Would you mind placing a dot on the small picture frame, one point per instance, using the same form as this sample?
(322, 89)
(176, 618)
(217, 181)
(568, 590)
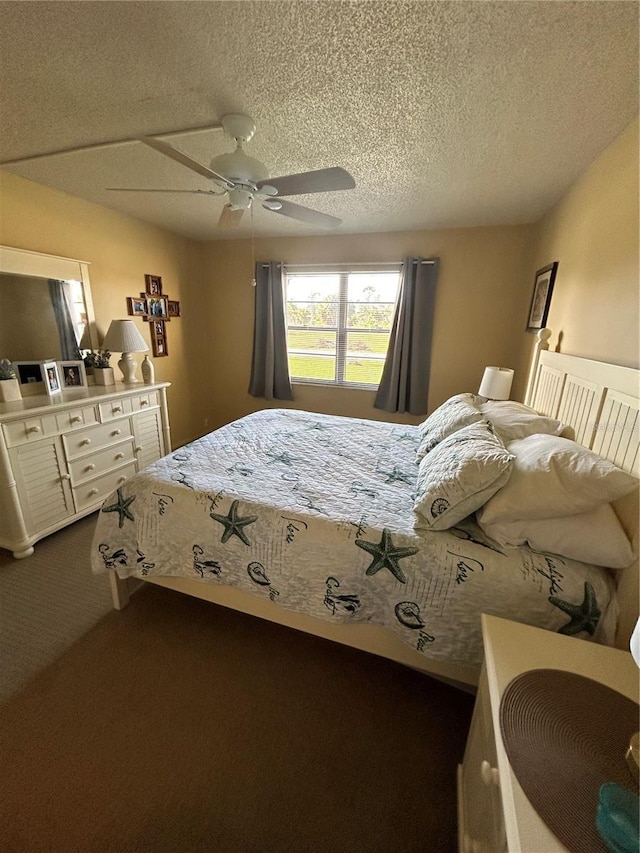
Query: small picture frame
(158, 339)
(541, 297)
(28, 373)
(51, 377)
(157, 308)
(72, 374)
(153, 285)
(137, 307)
(173, 308)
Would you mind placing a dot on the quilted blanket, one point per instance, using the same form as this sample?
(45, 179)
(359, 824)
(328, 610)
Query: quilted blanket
(315, 512)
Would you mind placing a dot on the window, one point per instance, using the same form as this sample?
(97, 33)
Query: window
(339, 323)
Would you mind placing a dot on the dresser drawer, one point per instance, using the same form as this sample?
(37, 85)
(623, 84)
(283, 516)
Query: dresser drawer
(94, 464)
(77, 417)
(93, 491)
(110, 409)
(29, 429)
(83, 441)
(145, 401)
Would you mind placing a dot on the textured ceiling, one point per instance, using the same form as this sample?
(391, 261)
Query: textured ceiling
(446, 113)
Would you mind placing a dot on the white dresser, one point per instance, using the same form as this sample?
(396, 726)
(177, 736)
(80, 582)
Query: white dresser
(494, 814)
(60, 457)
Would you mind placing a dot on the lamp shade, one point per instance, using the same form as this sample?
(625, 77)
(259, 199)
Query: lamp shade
(496, 383)
(634, 645)
(123, 336)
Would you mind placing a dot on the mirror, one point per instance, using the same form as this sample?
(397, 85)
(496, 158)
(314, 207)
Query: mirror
(46, 307)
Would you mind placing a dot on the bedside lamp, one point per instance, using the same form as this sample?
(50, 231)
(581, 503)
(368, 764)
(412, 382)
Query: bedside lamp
(124, 337)
(496, 383)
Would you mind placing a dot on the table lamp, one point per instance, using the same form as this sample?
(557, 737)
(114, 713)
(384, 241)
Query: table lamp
(496, 383)
(124, 337)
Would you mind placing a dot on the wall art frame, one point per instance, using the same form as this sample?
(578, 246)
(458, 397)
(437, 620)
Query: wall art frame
(541, 297)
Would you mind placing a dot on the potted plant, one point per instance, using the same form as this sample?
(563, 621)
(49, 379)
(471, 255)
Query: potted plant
(9, 387)
(102, 371)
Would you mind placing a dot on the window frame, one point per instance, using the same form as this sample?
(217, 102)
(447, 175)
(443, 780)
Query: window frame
(341, 330)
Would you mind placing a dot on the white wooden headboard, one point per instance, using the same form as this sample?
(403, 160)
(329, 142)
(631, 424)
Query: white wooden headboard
(601, 402)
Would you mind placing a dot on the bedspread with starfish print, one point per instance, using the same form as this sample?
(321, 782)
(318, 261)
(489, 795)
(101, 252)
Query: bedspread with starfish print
(315, 512)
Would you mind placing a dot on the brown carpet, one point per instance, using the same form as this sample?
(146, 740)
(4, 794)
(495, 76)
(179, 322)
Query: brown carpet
(178, 725)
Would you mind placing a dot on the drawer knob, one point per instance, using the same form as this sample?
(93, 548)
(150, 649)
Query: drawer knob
(34, 429)
(117, 408)
(138, 449)
(86, 441)
(65, 476)
(76, 419)
(116, 432)
(144, 402)
(121, 479)
(93, 492)
(119, 456)
(91, 467)
(490, 775)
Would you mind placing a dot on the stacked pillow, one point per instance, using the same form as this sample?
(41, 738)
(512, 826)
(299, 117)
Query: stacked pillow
(557, 499)
(459, 475)
(529, 482)
(514, 420)
(457, 412)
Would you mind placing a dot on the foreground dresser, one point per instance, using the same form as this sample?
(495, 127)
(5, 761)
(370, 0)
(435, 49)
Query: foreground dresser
(494, 814)
(61, 456)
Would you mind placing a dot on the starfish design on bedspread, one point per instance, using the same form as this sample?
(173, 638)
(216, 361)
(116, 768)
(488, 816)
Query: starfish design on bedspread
(584, 617)
(233, 524)
(385, 555)
(121, 507)
(396, 476)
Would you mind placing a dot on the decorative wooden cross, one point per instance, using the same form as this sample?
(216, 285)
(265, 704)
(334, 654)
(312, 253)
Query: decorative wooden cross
(156, 309)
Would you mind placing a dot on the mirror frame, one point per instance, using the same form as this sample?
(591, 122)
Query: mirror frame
(38, 265)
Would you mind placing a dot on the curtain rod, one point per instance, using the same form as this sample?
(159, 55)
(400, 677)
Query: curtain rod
(353, 264)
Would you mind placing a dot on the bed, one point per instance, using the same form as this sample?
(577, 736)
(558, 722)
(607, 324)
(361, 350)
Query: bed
(309, 520)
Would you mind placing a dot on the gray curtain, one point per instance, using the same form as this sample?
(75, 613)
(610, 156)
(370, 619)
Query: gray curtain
(64, 322)
(270, 367)
(404, 386)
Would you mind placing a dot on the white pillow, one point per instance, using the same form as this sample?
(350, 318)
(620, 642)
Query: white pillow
(513, 420)
(592, 537)
(554, 476)
(459, 475)
(454, 414)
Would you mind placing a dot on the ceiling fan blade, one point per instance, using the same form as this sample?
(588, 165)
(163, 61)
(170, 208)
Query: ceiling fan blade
(179, 157)
(229, 218)
(149, 190)
(305, 214)
(320, 181)
(96, 146)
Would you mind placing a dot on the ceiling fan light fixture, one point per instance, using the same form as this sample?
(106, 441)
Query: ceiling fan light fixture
(240, 199)
(272, 204)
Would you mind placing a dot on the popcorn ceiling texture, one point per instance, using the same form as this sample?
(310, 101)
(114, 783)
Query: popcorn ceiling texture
(446, 113)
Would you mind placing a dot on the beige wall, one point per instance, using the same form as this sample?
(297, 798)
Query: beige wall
(121, 250)
(593, 233)
(480, 311)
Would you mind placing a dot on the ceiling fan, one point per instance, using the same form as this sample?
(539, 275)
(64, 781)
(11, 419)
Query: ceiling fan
(246, 180)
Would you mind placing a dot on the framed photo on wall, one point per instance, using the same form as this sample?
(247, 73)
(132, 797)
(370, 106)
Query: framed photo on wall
(153, 284)
(51, 377)
(137, 307)
(72, 374)
(541, 297)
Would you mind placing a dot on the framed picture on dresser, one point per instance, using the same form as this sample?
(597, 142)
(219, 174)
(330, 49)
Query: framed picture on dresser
(72, 374)
(51, 377)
